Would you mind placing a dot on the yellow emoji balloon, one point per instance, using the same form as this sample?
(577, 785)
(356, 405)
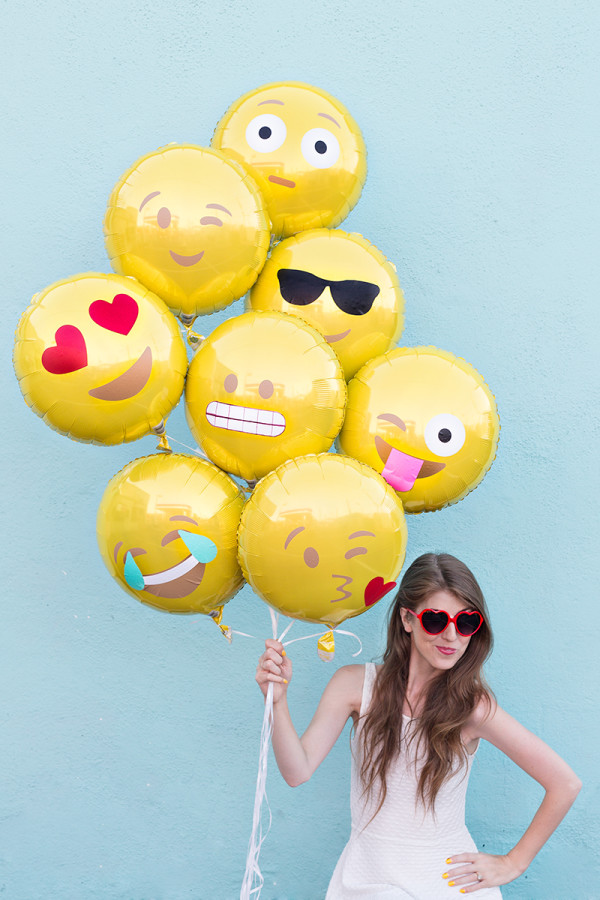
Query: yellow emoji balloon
(340, 284)
(322, 538)
(191, 225)
(100, 359)
(167, 532)
(262, 388)
(426, 420)
(303, 147)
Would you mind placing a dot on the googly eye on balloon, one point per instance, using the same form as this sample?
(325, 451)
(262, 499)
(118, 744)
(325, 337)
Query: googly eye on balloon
(100, 358)
(190, 224)
(304, 149)
(167, 532)
(264, 387)
(339, 283)
(322, 538)
(425, 420)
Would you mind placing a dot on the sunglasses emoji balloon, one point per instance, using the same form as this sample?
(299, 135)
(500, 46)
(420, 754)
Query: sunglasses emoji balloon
(304, 149)
(340, 284)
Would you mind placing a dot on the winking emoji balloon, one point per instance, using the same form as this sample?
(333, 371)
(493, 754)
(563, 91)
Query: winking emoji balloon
(167, 532)
(340, 284)
(426, 420)
(304, 149)
(322, 538)
(191, 225)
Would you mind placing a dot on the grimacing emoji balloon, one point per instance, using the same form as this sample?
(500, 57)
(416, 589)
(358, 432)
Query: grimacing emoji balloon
(426, 420)
(190, 224)
(340, 284)
(167, 532)
(322, 538)
(100, 358)
(304, 149)
(262, 388)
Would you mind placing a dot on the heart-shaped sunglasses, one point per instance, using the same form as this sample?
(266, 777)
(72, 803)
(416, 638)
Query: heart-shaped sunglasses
(434, 621)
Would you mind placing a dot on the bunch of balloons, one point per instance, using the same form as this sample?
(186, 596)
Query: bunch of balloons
(101, 358)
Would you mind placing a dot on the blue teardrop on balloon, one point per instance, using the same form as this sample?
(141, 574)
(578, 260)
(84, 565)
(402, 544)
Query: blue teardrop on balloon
(201, 548)
(132, 574)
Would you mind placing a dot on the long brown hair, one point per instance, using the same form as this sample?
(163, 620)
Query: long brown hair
(450, 698)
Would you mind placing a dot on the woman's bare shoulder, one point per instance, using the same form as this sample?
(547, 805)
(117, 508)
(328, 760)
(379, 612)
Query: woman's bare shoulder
(348, 682)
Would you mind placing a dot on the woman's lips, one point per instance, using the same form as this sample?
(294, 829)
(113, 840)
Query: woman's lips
(447, 651)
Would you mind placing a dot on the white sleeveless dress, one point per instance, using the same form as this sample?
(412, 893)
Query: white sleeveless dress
(402, 852)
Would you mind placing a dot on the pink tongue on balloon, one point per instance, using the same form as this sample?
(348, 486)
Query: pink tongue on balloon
(401, 470)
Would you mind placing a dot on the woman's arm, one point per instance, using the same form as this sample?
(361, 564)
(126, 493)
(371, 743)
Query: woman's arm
(536, 758)
(297, 757)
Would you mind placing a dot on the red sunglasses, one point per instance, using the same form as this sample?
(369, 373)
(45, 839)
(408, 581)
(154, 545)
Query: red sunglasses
(434, 621)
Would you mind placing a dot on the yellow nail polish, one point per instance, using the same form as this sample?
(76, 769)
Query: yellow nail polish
(448, 861)
(445, 875)
(450, 884)
(285, 681)
(283, 653)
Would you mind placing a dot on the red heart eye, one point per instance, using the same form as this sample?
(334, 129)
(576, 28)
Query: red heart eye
(118, 316)
(68, 355)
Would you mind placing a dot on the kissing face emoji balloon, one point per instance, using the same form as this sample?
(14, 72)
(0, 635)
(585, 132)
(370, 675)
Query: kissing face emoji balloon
(322, 538)
(262, 388)
(426, 420)
(304, 149)
(100, 359)
(167, 532)
(341, 285)
(190, 224)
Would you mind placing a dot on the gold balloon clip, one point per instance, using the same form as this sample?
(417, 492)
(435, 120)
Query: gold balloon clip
(326, 646)
(160, 431)
(217, 615)
(193, 338)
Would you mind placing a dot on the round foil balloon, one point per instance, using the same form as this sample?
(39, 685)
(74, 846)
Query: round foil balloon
(342, 285)
(426, 420)
(191, 225)
(322, 538)
(264, 387)
(167, 532)
(99, 358)
(304, 149)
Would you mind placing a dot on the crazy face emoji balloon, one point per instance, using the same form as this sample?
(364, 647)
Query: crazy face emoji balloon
(190, 224)
(100, 358)
(167, 532)
(262, 388)
(322, 538)
(342, 285)
(304, 149)
(426, 420)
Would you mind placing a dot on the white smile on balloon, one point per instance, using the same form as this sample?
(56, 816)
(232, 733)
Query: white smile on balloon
(246, 419)
(171, 574)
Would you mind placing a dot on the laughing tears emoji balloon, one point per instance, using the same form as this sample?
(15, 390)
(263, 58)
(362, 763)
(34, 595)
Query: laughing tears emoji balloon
(340, 284)
(304, 149)
(100, 359)
(264, 387)
(191, 225)
(167, 532)
(426, 420)
(322, 538)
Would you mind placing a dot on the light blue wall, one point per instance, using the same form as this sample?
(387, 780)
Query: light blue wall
(129, 738)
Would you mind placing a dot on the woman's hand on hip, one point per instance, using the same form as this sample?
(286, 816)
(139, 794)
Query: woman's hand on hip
(275, 667)
(474, 871)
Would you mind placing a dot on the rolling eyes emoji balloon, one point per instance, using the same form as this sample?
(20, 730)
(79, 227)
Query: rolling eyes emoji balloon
(426, 420)
(167, 532)
(304, 149)
(100, 359)
(262, 388)
(190, 224)
(322, 538)
(340, 284)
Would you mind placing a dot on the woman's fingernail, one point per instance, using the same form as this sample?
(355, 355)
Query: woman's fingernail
(285, 681)
(445, 875)
(450, 884)
(448, 861)
(283, 653)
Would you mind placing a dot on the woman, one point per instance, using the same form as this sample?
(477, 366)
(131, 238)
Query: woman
(418, 721)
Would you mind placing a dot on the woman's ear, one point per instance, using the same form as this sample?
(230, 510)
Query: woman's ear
(406, 617)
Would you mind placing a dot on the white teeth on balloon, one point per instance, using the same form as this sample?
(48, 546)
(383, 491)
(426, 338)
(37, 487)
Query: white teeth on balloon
(246, 419)
(174, 572)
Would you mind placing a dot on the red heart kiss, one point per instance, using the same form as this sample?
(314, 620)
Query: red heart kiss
(376, 589)
(119, 316)
(68, 355)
